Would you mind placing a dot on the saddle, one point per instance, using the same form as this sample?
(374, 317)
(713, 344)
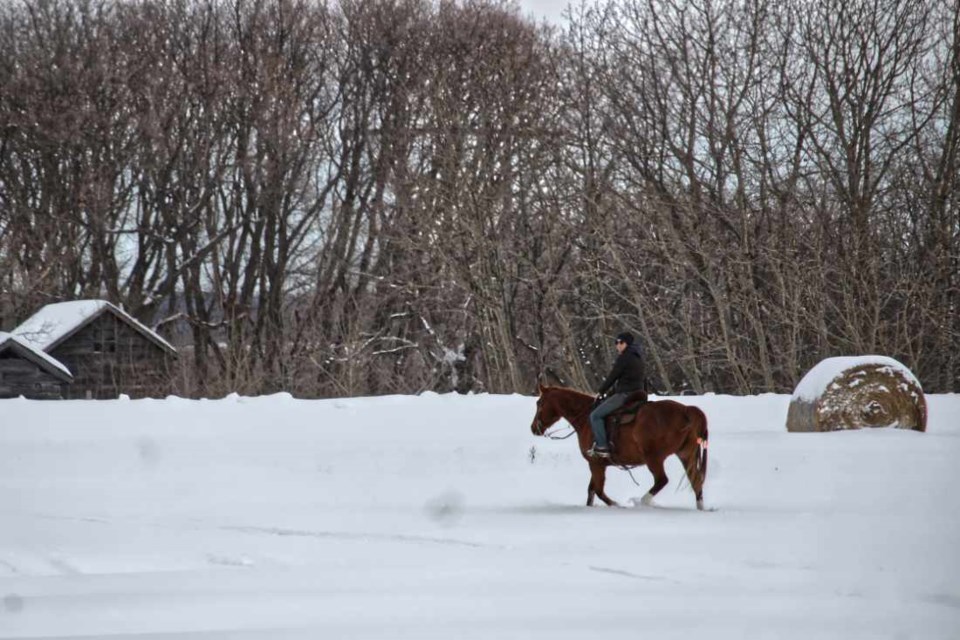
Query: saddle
(625, 414)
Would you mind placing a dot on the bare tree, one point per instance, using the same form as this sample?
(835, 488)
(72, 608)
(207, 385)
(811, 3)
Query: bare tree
(385, 197)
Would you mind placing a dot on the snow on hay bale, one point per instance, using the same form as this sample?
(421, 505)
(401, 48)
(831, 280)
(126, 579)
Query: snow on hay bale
(856, 392)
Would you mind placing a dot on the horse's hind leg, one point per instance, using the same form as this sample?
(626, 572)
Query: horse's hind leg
(660, 480)
(598, 476)
(690, 460)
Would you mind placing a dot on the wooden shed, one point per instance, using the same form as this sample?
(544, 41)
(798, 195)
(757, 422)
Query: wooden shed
(108, 351)
(29, 372)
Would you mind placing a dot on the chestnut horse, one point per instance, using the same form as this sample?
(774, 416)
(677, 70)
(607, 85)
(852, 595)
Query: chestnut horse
(659, 430)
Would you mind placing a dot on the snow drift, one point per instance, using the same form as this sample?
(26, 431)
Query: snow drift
(443, 517)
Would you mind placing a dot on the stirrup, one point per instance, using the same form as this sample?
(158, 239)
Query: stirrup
(598, 452)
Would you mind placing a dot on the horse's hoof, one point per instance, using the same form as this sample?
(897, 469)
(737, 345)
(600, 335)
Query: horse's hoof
(700, 505)
(645, 501)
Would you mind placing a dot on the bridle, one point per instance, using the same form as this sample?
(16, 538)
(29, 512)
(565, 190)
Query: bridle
(538, 423)
(541, 430)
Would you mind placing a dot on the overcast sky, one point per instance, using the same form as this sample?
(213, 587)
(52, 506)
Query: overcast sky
(551, 10)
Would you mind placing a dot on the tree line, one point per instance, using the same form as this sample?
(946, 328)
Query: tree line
(391, 196)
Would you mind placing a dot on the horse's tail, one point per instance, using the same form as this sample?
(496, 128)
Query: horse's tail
(697, 420)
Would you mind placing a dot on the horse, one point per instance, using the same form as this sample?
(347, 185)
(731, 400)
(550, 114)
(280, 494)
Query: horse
(660, 429)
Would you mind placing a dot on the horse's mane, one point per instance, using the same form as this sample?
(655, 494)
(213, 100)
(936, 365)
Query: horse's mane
(570, 390)
(572, 394)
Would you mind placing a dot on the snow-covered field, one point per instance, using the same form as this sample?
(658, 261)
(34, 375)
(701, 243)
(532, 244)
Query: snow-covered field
(444, 517)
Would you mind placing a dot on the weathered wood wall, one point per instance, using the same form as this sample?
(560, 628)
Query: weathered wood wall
(108, 357)
(20, 377)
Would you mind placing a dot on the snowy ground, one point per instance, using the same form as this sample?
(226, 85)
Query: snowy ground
(443, 517)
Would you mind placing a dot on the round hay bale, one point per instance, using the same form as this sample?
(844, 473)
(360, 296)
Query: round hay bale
(857, 392)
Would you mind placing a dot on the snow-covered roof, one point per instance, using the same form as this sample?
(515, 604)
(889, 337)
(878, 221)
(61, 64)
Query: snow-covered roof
(52, 324)
(826, 371)
(31, 352)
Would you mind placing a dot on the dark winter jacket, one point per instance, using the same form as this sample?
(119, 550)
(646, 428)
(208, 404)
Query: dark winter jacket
(628, 373)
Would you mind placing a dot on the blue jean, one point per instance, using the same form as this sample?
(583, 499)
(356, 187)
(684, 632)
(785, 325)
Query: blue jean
(598, 415)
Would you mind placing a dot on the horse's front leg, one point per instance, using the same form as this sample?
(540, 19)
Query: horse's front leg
(598, 476)
(660, 480)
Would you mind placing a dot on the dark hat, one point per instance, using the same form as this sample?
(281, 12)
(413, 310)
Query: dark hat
(626, 336)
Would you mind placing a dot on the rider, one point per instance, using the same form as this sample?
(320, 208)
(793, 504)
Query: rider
(626, 377)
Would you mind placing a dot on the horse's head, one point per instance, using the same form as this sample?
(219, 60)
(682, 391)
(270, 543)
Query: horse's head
(547, 410)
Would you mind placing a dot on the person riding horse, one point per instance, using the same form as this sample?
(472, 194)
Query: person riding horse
(626, 377)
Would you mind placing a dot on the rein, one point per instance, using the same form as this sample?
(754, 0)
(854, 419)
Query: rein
(580, 416)
(570, 421)
(629, 470)
(573, 429)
